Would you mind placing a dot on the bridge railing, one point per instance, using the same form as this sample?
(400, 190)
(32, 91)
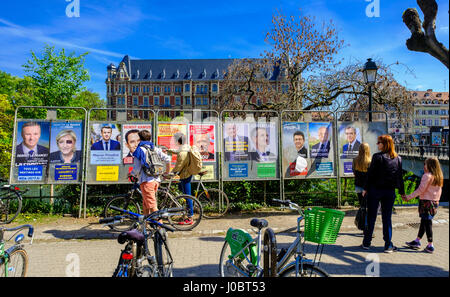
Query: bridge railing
(423, 151)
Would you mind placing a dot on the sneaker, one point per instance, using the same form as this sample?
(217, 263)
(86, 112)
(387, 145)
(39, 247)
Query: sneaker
(413, 244)
(429, 249)
(186, 222)
(390, 249)
(364, 247)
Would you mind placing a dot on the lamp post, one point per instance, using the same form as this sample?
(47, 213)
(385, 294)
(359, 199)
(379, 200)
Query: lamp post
(370, 76)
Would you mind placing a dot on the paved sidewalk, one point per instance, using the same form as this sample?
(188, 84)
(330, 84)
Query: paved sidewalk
(70, 245)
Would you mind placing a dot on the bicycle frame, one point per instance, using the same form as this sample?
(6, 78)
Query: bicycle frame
(4, 255)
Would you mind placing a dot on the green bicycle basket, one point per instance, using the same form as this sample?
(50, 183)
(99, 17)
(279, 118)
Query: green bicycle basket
(322, 225)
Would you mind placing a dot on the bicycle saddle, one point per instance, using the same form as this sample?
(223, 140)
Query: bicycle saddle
(133, 235)
(259, 223)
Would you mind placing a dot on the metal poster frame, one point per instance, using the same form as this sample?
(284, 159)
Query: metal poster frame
(52, 117)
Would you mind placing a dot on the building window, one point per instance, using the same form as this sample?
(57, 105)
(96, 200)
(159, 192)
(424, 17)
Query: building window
(156, 99)
(177, 101)
(146, 101)
(156, 89)
(198, 101)
(135, 101)
(205, 100)
(187, 87)
(214, 87)
(187, 100)
(167, 101)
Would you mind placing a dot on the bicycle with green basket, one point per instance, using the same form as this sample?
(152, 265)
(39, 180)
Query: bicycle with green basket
(241, 254)
(14, 260)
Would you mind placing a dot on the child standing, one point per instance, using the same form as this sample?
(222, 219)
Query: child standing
(429, 190)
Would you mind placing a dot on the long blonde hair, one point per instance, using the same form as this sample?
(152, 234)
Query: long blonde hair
(362, 161)
(434, 168)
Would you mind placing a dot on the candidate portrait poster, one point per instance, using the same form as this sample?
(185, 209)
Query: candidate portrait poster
(236, 141)
(202, 136)
(130, 140)
(166, 133)
(105, 143)
(349, 139)
(32, 143)
(295, 149)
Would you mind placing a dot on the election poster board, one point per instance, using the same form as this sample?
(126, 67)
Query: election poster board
(203, 137)
(295, 161)
(31, 151)
(321, 149)
(349, 141)
(250, 150)
(166, 134)
(66, 151)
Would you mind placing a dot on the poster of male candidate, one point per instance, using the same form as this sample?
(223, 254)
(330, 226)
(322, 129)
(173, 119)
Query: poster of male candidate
(263, 150)
(130, 140)
(105, 143)
(321, 149)
(236, 141)
(202, 136)
(32, 145)
(349, 139)
(295, 149)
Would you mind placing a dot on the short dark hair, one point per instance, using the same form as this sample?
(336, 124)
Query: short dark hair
(130, 132)
(145, 135)
(299, 133)
(180, 137)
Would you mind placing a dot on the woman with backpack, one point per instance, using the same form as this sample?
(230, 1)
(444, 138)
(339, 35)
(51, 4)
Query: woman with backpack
(183, 168)
(383, 177)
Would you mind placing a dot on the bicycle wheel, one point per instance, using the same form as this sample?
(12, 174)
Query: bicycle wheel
(10, 207)
(124, 202)
(162, 254)
(309, 270)
(17, 264)
(237, 266)
(214, 202)
(180, 220)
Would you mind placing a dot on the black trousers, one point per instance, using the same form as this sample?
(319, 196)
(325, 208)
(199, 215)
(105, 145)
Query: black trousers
(426, 227)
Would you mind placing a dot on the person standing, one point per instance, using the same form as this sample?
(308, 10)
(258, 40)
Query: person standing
(360, 167)
(430, 190)
(148, 184)
(182, 170)
(383, 177)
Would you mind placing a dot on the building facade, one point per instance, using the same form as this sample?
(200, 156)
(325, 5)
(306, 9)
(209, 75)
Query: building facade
(430, 110)
(138, 86)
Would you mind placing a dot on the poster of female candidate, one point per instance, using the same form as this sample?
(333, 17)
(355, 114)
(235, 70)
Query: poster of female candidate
(105, 143)
(295, 149)
(202, 136)
(66, 142)
(32, 143)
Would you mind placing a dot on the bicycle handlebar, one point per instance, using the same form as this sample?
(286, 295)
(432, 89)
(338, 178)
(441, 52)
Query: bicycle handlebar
(30, 229)
(291, 205)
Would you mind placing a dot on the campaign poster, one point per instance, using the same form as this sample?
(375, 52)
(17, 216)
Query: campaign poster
(32, 143)
(105, 144)
(295, 149)
(349, 140)
(66, 143)
(436, 138)
(130, 140)
(236, 141)
(320, 140)
(30, 173)
(263, 145)
(166, 137)
(202, 136)
(415, 139)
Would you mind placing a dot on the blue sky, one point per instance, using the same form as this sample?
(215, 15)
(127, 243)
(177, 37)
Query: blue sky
(149, 29)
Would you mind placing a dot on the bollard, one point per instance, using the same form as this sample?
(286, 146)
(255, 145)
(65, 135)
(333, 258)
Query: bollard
(270, 251)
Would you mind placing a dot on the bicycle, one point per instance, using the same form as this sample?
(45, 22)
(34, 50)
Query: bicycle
(215, 202)
(10, 203)
(14, 261)
(241, 254)
(135, 259)
(165, 200)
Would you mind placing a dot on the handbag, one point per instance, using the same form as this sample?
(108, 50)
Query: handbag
(361, 218)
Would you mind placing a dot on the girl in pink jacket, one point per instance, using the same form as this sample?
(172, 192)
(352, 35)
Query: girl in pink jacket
(429, 190)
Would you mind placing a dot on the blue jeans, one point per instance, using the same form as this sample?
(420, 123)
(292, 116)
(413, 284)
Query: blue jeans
(185, 187)
(385, 197)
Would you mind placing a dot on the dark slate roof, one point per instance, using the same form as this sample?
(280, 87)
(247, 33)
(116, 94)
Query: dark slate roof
(178, 69)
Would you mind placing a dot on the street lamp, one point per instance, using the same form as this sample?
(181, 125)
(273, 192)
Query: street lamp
(370, 76)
